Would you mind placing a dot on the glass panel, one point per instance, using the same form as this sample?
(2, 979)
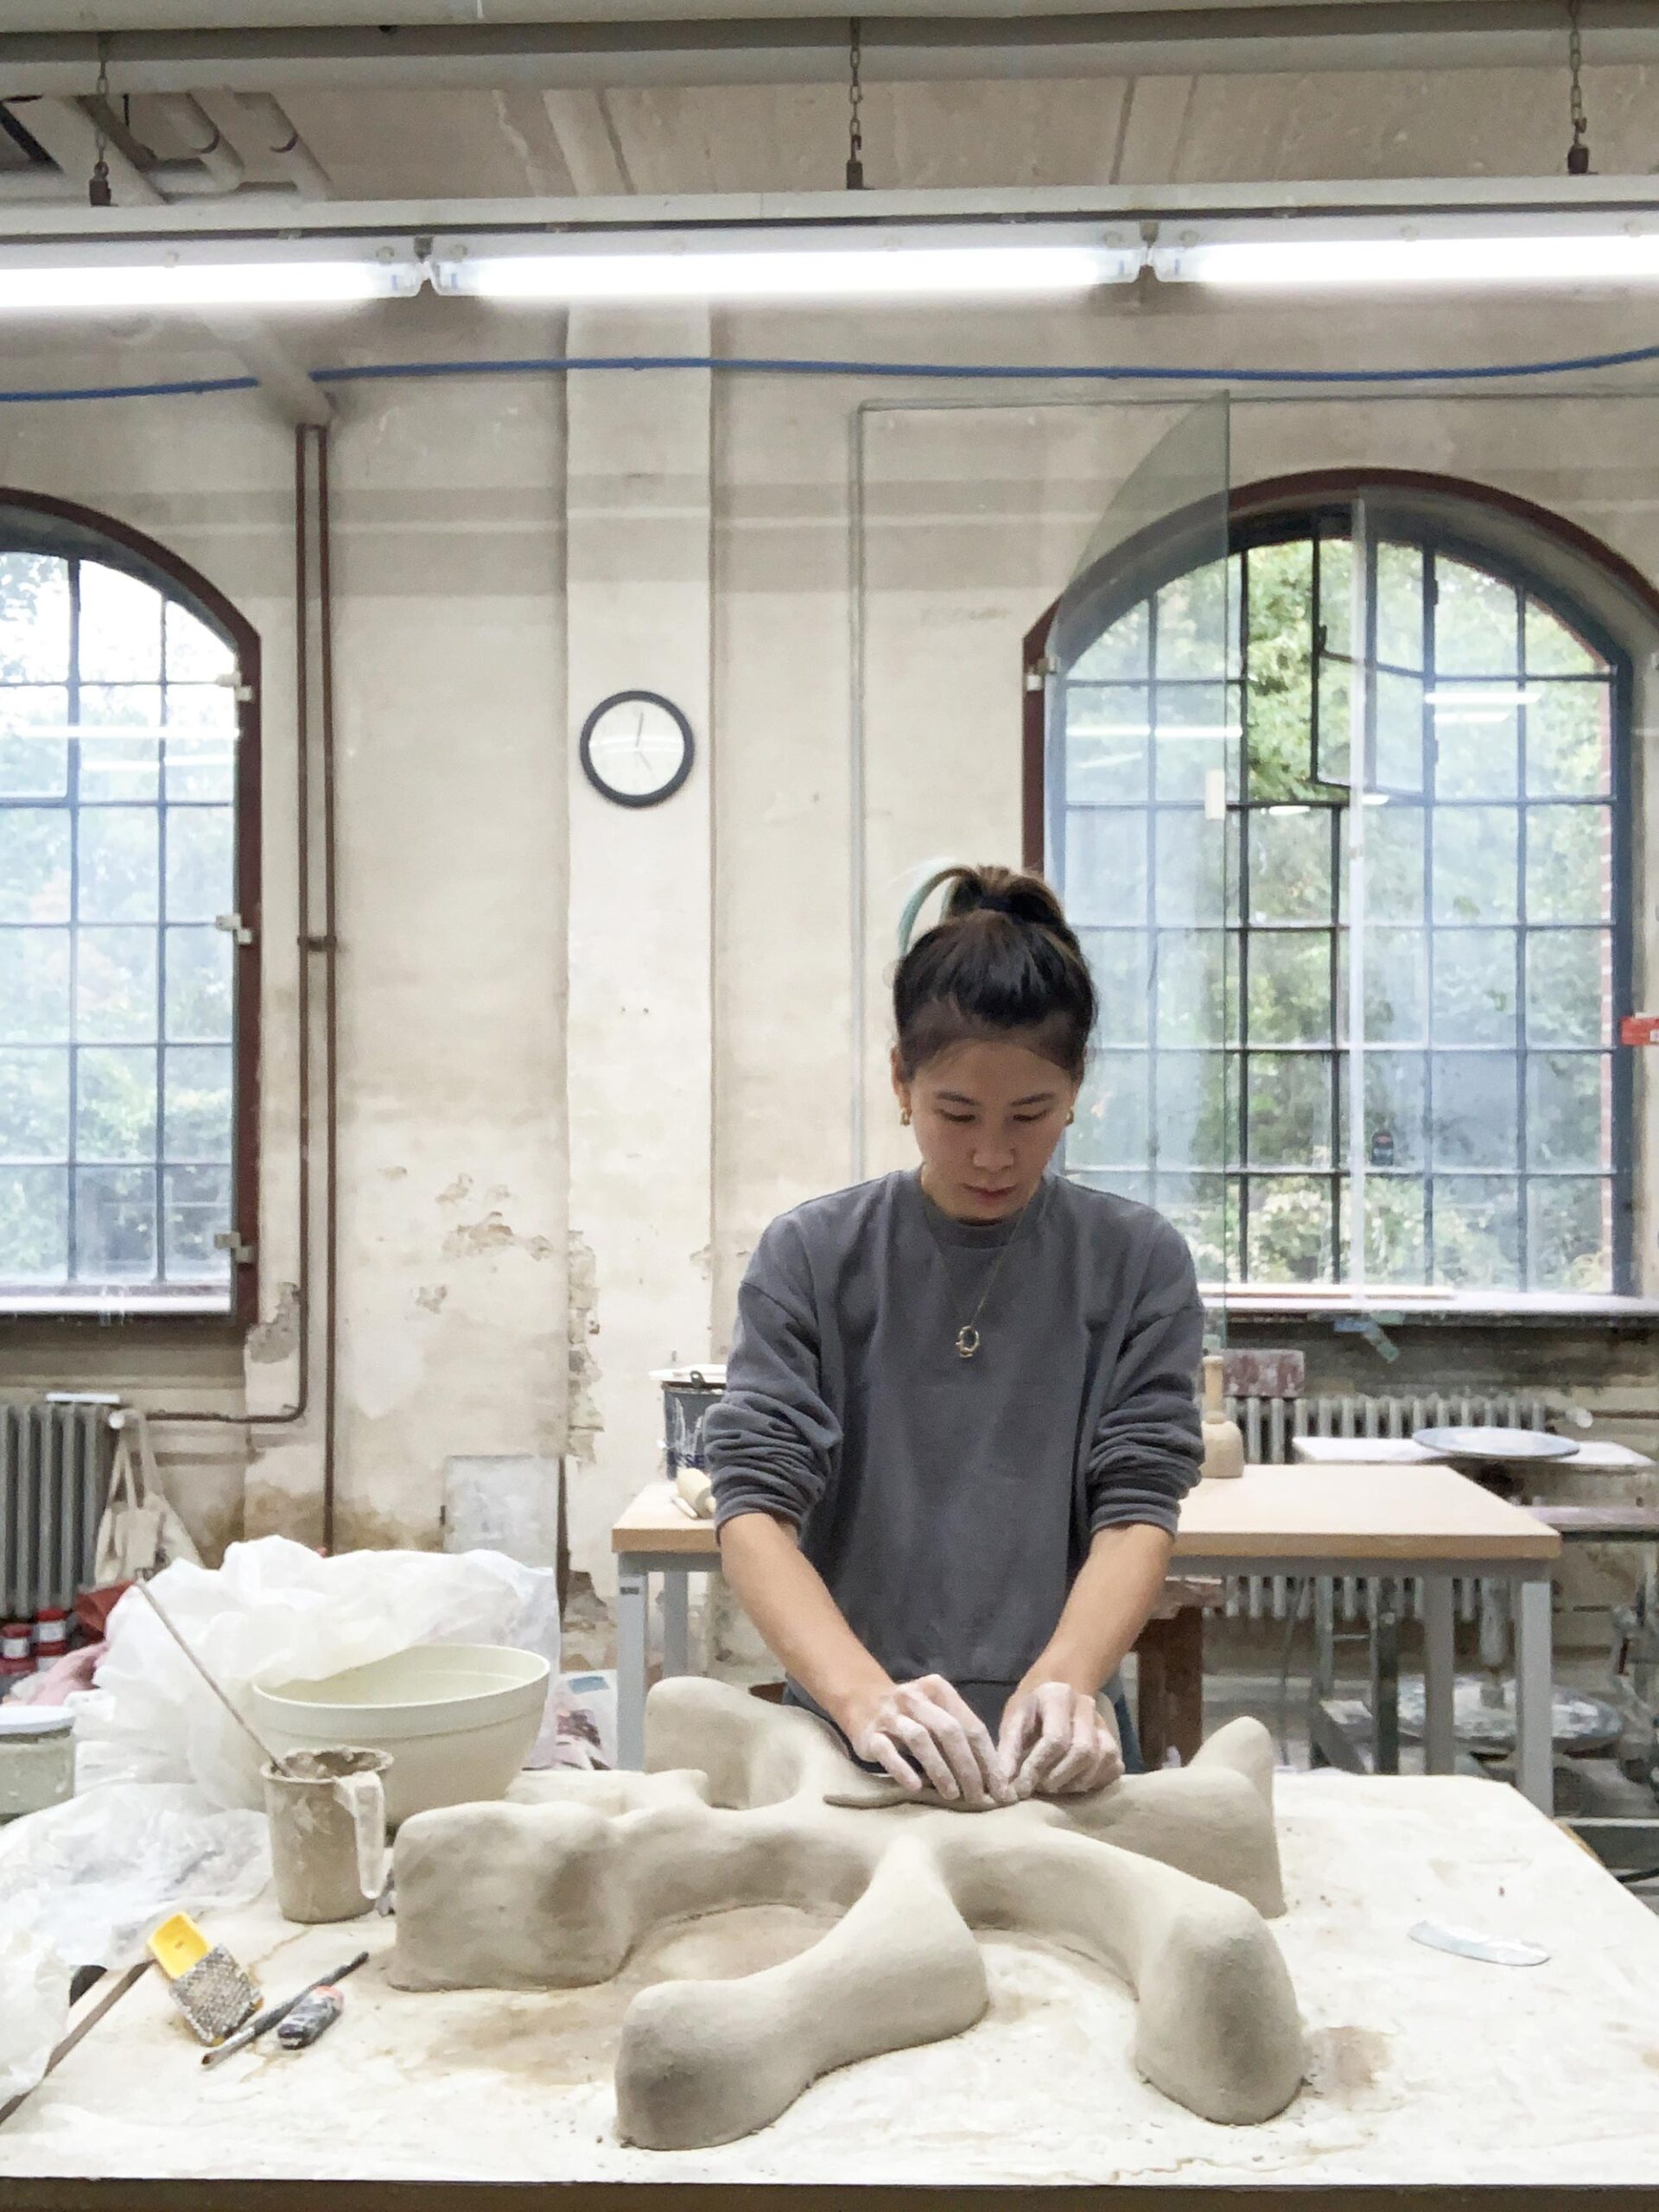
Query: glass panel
(1197, 1110)
(1475, 1110)
(198, 987)
(1335, 614)
(115, 1103)
(1106, 734)
(1121, 1182)
(1394, 1101)
(1198, 622)
(1290, 865)
(1570, 741)
(1290, 987)
(1197, 863)
(195, 654)
(1477, 621)
(1291, 1229)
(1119, 654)
(120, 865)
(33, 986)
(1288, 1111)
(1569, 863)
(1552, 648)
(1396, 995)
(1197, 1005)
(199, 1106)
(34, 766)
(1117, 960)
(1111, 1125)
(122, 766)
(1394, 863)
(34, 1225)
(1197, 732)
(1569, 986)
(1399, 588)
(1475, 876)
(34, 864)
(198, 1209)
(1105, 864)
(1397, 746)
(1570, 1233)
(1196, 1205)
(33, 1106)
(115, 993)
(115, 1224)
(1569, 1109)
(201, 864)
(1281, 704)
(1475, 987)
(120, 627)
(34, 619)
(1476, 739)
(1477, 1231)
(201, 743)
(1396, 1248)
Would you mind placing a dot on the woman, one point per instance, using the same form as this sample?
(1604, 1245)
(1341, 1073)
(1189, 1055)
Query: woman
(959, 1417)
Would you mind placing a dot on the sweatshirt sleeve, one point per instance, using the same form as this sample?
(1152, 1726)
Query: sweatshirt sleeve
(1147, 1449)
(772, 1440)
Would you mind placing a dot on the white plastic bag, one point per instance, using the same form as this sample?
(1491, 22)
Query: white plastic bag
(276, 1611)
(36, 2007)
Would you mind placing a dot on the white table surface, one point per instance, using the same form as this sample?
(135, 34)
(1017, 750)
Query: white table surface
(1424, 2068)
(1593, 1457)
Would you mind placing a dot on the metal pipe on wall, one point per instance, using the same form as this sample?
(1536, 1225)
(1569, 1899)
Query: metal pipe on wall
(330, 947)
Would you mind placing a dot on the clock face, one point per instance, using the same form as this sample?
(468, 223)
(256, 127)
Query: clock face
(637, 748)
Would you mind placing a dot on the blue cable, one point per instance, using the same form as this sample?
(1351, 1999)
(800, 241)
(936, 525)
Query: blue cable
(1034, 372)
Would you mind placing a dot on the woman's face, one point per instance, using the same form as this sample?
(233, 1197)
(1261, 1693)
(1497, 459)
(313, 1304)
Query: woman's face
(987, 1115)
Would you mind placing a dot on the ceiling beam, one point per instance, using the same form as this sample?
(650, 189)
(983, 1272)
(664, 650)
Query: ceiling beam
(1300, 36)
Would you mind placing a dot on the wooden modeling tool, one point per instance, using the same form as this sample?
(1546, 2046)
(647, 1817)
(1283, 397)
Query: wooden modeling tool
(1223, 1444)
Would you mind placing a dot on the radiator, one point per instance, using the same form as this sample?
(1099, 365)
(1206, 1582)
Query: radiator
(1269, 1425)
(54, 1475)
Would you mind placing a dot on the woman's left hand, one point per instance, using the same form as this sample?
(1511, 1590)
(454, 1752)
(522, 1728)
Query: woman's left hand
(1055, 1742)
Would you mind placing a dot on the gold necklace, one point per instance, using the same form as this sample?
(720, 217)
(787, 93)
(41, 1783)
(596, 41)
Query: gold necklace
(968, 1337)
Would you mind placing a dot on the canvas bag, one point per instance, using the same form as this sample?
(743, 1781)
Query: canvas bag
(140, 1532)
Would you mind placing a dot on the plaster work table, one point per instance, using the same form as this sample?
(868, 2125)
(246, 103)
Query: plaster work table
(1418, 1521)
(1427, 2071)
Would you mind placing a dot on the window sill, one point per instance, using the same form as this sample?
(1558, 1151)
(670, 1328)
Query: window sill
(68, 1306)
(1309, 1302)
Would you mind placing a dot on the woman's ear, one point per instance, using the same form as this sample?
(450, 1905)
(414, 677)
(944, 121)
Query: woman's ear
(900, 1084)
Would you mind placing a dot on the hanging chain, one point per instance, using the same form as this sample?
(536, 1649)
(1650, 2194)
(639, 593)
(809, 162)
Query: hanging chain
(1578, 154)
(98, 189)
(854, 102)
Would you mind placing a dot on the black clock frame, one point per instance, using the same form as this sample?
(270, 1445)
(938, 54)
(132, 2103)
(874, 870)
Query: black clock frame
(638, 798)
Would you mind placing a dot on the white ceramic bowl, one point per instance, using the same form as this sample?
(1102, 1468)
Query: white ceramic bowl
(458, 1720)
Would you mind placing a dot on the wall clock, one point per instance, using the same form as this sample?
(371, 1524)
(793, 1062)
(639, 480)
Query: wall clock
(637, 748)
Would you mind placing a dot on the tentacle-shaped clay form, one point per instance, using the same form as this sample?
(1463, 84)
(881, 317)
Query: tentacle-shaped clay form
(705, 2061)
(1217, 2027)
(752, 1752)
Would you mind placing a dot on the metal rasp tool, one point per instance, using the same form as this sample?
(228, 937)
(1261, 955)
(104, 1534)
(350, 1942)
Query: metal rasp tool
(274, 2014)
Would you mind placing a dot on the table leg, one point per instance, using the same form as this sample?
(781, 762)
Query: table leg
(1385, 1675)
(1439, 1675)
(1323, 1680)
(676, 1622)
(632, 1615)
(1534, 1754)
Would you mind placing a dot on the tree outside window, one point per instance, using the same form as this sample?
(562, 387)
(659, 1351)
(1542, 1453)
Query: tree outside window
(117, 872)
(1495, 1140)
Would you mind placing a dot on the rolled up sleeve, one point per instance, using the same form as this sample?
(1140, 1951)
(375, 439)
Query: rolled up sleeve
(1147, 1448)
(772, 1440)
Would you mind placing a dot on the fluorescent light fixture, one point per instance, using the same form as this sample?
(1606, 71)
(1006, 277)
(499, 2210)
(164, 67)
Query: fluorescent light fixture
(117, 278)
(897, 265)
(1315, 256)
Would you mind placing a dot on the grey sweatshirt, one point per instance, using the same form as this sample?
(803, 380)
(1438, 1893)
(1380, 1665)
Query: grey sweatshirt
(948, 1502)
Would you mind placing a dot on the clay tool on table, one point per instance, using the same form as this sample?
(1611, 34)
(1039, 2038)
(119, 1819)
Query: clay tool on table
(117, 1985)
(314, 2015)
(274, 2015)
(212, 1992)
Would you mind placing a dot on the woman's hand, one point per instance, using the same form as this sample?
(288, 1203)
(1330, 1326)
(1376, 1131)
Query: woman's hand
(1055, 1742)
(928, 1725)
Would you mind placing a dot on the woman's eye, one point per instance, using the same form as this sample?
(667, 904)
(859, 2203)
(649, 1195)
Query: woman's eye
(961, 1121)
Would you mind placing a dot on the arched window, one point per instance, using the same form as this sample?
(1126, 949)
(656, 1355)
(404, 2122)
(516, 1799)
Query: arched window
(1496, 1122)
(122, 693)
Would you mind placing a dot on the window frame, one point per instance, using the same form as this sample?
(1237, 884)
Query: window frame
(33, 522)
(1424, 509)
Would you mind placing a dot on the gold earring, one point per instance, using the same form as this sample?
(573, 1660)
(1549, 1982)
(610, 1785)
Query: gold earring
(904, 1117)
(1070, 1118)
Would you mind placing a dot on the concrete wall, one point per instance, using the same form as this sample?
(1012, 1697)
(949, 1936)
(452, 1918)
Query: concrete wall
(554, 1165)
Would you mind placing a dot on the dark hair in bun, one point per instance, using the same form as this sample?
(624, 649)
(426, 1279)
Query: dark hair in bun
(1003, 961)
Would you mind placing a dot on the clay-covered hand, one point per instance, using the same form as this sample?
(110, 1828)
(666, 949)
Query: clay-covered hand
(1055, 1742)
(924, 1734)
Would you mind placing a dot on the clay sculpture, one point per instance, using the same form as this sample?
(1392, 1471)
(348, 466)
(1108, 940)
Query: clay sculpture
(1166, 1878)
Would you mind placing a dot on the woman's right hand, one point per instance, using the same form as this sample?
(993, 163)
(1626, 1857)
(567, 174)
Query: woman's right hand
(924, 1733)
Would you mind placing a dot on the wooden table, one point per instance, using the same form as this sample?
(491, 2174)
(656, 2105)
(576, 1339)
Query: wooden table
(1423, 1521)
